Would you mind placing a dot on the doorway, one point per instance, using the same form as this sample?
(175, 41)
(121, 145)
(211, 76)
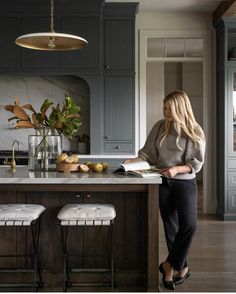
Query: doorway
(165, 77)
(181, 46)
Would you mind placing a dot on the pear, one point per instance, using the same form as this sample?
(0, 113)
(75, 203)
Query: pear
(105, 166)
(62, 157)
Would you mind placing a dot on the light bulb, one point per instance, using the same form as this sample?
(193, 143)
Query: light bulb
(51, 42)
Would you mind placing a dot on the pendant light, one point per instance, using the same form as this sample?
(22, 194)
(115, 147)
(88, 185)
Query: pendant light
(51, 41)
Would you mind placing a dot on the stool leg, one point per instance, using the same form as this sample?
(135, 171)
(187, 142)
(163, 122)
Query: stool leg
(111, 256)
(35, 231)
(66, 278)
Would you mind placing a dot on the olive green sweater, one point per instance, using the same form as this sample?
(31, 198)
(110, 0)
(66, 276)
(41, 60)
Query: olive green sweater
(169, 154)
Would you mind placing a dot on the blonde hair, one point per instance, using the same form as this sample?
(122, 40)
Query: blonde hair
(183, 118)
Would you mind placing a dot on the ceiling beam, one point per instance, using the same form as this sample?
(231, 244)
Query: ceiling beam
(226, 8)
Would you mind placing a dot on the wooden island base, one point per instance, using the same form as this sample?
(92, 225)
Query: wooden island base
(135, 232)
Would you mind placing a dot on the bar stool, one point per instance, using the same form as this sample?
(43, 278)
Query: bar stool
(23, 215)
(85, 215)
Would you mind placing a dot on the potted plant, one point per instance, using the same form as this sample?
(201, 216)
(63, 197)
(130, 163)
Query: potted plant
(45, 145)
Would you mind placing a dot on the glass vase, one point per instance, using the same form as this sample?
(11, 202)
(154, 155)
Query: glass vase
(44, 147)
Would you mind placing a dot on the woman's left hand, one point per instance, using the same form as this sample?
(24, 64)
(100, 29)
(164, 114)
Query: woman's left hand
(170, 172)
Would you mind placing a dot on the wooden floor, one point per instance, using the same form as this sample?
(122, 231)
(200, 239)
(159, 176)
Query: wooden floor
(212, 257)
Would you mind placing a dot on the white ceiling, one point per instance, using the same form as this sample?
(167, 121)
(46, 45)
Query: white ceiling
(199, 6)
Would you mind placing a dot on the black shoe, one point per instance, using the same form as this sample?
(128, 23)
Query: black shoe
(180, 280)
(167, 284)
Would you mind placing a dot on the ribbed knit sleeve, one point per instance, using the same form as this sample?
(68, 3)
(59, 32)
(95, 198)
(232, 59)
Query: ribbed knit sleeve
(149, 151)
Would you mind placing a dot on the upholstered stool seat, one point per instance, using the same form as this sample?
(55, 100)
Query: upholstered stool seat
(86, 215)
(23, 215)
(19, 214)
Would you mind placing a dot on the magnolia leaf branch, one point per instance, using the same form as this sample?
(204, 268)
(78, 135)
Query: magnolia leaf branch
(65, 119)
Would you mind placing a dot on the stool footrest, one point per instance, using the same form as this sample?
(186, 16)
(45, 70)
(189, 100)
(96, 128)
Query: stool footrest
(90, 284)
(90, 270)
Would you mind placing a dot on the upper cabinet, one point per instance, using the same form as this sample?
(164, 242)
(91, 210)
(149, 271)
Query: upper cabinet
(9, 51)
(89, 57)
(118, 45)
(119, 37)
(77, 17)
(36, 59)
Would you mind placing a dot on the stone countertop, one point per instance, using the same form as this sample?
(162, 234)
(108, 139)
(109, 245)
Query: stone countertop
(24, 176)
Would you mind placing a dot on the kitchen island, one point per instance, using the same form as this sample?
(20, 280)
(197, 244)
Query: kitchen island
(136, 233)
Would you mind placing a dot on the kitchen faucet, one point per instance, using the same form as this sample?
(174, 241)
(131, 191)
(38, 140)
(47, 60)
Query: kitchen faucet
(12, 162)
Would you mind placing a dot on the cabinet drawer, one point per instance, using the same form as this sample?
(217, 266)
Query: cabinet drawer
(231, 179)
(118, 147)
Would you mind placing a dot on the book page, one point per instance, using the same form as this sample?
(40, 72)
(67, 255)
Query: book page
(138, 165)
(144, 173)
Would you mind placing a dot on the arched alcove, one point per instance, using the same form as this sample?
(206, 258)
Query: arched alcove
(34, 90)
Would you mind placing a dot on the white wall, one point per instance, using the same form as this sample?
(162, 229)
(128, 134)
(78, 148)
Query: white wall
(161, 20)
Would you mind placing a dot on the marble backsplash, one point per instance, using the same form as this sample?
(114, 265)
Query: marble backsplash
(34, 90)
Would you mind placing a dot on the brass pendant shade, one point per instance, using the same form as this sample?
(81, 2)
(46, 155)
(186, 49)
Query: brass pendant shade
(51, 41)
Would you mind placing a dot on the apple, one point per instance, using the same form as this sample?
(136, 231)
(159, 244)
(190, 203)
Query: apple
(97, 167)
(83, 168)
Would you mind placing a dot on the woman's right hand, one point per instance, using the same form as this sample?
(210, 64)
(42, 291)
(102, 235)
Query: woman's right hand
(133, 160)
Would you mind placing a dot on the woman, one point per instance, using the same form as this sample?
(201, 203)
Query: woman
(176, 145)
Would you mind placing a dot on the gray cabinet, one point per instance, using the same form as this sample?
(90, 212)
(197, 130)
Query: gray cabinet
(107, 64)
(87, 58)
(118, 45)
(118, 114)
(9, 50)
(119, 77)
(33, 60)
(226, 119)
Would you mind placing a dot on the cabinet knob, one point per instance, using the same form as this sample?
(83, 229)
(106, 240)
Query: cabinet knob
(88, 195)
(107, 66)
(107, 137)
(117, 147)
(77, 195)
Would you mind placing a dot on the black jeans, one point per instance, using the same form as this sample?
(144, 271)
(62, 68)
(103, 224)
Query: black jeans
(178, 207)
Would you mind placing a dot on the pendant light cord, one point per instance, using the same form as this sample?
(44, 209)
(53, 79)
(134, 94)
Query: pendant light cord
(52, 18)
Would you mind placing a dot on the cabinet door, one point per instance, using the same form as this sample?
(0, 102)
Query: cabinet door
(37, 59)
(9, 50)
(118, 109)
(119, 45)
(88, 57)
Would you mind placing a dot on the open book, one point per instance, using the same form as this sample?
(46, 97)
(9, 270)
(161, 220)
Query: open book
(139, 169)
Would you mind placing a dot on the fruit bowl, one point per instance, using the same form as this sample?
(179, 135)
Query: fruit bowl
(67, 167)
